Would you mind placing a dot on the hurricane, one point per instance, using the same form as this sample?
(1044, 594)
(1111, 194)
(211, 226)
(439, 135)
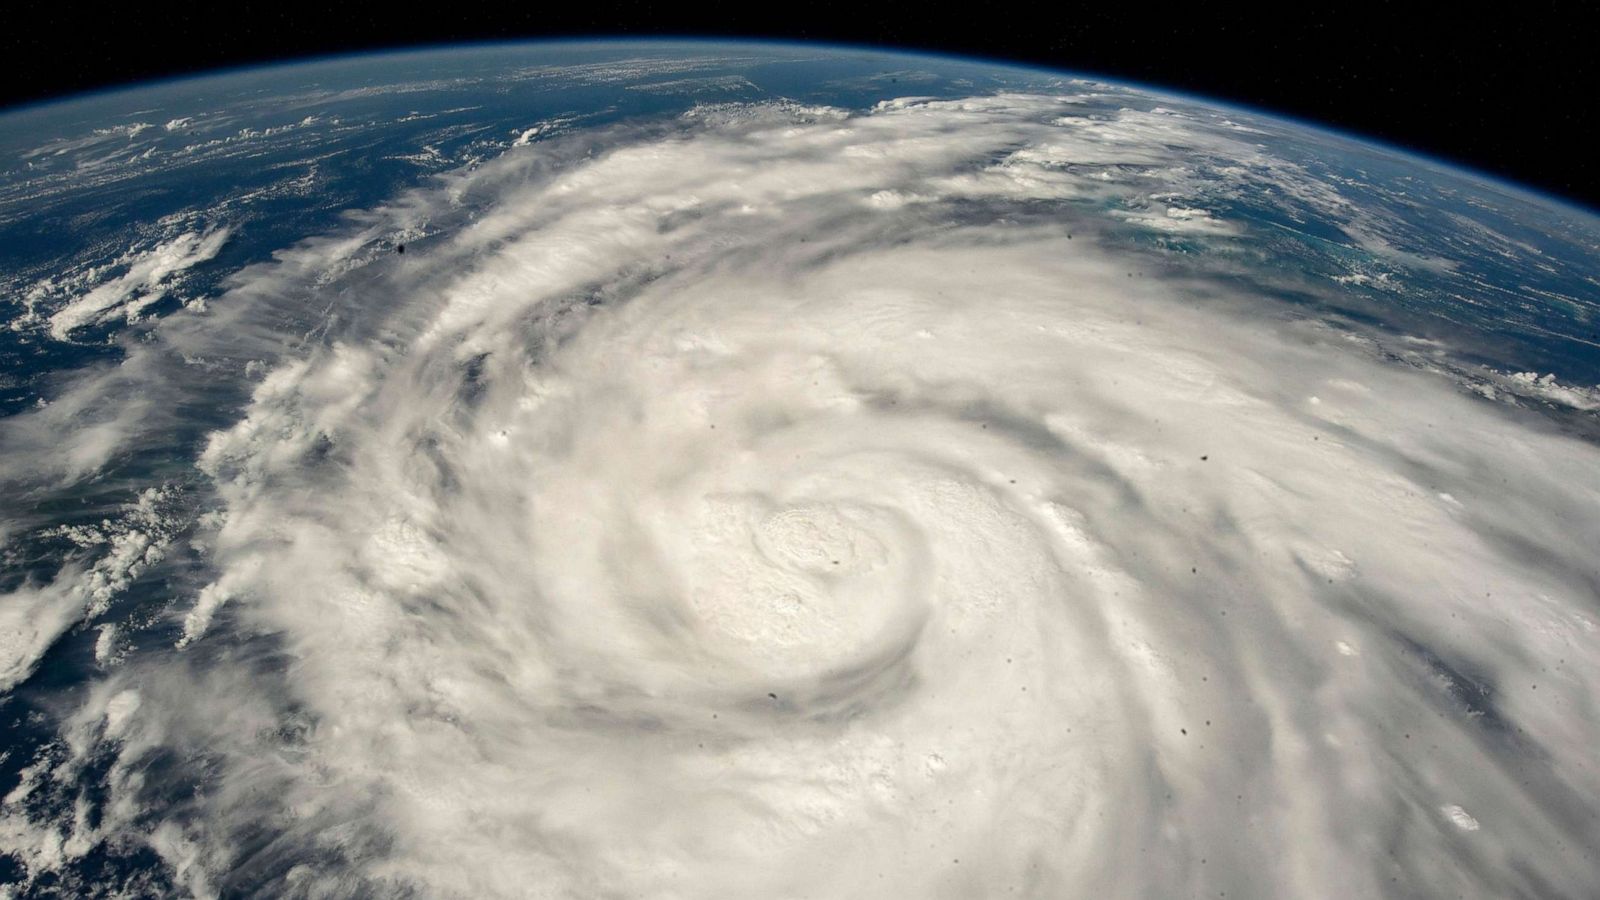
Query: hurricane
(947, 497)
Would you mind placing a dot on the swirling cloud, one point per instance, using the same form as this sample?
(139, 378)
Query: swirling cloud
(780, 502)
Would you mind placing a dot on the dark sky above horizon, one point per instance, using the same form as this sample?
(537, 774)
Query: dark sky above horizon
(1510, 93)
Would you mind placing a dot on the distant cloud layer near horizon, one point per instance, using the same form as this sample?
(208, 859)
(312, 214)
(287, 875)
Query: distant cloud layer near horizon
(779, 501)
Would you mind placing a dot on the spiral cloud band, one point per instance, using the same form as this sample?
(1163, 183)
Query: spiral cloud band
(781, 502)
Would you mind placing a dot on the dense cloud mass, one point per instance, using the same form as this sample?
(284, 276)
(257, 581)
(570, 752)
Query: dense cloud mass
(781, 502)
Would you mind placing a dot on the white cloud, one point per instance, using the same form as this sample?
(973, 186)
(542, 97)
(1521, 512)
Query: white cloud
(32, 617)
(143, 282)
(655, 528)
(1459, 817)
(1546, 387)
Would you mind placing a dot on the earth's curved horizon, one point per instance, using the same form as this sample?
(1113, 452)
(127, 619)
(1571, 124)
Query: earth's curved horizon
(682, 42)
(723, 468)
